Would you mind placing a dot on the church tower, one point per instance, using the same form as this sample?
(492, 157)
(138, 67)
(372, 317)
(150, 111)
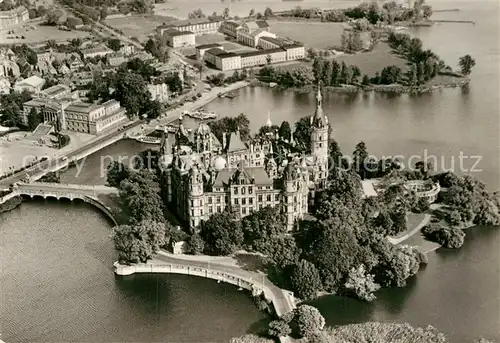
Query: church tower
(319, 142)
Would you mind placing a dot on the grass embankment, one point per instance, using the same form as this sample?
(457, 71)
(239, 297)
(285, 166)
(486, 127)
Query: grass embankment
(10, 204)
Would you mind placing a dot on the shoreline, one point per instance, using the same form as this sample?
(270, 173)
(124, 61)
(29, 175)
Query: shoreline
(394, 89)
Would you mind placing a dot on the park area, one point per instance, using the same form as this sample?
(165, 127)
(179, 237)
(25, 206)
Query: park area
(137, 25)
(35, 33)
(374, 61)
(312, 34)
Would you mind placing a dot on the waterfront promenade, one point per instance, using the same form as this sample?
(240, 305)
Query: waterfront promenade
(282, 300)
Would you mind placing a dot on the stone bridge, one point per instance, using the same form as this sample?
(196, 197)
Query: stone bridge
(61, 190)
(58, 191)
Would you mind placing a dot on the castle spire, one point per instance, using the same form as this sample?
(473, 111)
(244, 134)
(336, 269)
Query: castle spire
(319, 119)
(269, 123)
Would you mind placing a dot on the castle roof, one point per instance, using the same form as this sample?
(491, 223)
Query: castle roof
(319, 119)
(235, 143)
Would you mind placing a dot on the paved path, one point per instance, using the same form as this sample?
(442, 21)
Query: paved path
(417, 229)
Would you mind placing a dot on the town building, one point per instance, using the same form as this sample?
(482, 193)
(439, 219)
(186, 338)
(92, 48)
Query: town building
(222, 60)
(230, 28)
(144, 57)
(179, 39)
(294, 52)
(207, 176)
(75, 63)
(159, 92)
(98, 51)
(82, 78)
(250, 32)
(8, 65)
(198, 27)
(201, 49)
(4, 85)
(13, 17)
(56, 92)
(262, 57)
(32, 84)
(127, 49)
(116, 59)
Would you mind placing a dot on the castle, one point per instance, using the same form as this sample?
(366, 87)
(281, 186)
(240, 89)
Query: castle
(203, 176)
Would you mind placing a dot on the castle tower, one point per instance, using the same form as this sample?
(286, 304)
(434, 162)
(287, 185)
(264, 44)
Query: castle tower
(272, 168)
(203, 142)
(293, 195)
(319, 142)
(195, 205)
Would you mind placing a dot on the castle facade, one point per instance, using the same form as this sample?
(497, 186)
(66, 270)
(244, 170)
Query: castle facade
(203, 176)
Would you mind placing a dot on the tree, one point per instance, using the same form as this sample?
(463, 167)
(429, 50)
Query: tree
(283, 251)
(34, 118)
(116, 173)
(131, 92)
(196, 14)
(361, 284)
(397, 265)
(268, 12)
(222, 234)
(466, 64)
(140, 197)
(52, 17)
(285, 132)
(252, 13)
(114, 44)
(426, 11)
(138, 243)
(302, 134)
(200, 66)
(279, 328)
(103, 13)
(360, 155)
(305, 280)
(153, 109)
(390, 75)
(225, 14)
(260, 226)
(195, 244)
(309, 320)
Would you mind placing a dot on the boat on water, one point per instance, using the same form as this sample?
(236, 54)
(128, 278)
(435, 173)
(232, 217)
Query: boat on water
(148, 140)
(229, 95)
(200, 114)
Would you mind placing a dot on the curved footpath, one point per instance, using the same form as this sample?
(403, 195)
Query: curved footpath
(283, 300)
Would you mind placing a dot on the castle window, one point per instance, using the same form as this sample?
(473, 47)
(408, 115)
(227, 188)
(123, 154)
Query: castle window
(192, 222)
(201, 202)
(320, 145)
(217, 200)
(242, 190)
(244, 210)
(192, 212)
(192, 203)
(235, 190)
(277, 197)
(250, 190)
(218, 209)
(210, 200)
(236, 201)
(260, 197)
(226, 199)
(210, 209)
(243, 201)
(201, 212)
(250, 201)
(269, 197)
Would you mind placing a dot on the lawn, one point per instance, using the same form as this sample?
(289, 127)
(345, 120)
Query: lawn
(374, 61)
(136, 25)
(312, 34)
(35, 33)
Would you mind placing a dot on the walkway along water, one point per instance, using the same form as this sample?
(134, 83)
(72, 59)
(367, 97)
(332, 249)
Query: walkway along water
(282, 300)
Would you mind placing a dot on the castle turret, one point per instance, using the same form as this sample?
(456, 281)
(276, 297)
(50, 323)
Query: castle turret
(294, 195)
(319, 142)
(195, 206)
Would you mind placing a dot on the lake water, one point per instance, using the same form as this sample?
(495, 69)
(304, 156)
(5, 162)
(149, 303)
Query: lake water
(56, 277)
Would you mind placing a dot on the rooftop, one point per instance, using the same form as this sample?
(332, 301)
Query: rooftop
(277, 41)
(292, 46)
(174, 33)
(235, 143)
(260, 52)
(188, 22)
(33, 81)
(99, 48)
(208, 46)
(54, 90)
(221, 53)
(82, 107)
